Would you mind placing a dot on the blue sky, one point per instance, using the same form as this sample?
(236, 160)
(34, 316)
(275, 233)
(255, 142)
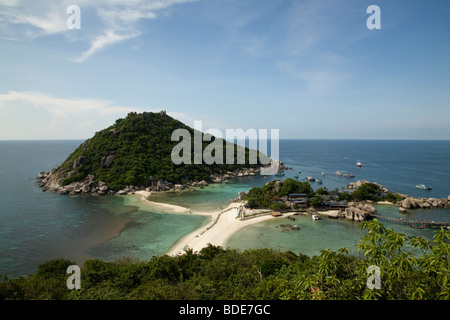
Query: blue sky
(311, 69)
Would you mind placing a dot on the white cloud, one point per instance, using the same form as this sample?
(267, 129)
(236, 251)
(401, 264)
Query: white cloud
(31, 115)
(34, 26)
(116, 19)
(35, 115)
(62, 107)
(102, 41)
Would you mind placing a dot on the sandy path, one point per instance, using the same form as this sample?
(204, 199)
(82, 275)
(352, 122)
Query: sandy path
(225, 226)
(222, 225)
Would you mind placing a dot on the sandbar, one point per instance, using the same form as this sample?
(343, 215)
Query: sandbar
(222, 226)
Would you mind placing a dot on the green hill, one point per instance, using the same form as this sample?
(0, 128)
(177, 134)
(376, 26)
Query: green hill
(135, 151)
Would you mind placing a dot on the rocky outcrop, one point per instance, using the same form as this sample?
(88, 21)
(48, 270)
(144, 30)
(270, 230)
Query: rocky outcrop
(408, 202)
(82, 160)
(357, 184)
(115, 133)
(424, 203)
(245, 172)
(52, 181)
(289, 227)
(359, 211)
(108, 159)
(277, 186)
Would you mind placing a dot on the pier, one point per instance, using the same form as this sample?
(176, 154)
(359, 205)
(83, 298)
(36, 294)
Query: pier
(413, 223)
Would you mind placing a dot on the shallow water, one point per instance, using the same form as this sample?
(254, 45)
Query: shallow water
(333, 234)
(37, 226)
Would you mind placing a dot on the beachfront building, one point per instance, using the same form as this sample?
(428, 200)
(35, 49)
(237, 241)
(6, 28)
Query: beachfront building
(299, 199)
(335, 205)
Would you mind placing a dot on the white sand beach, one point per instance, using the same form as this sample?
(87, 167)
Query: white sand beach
(222, 226)
(141, 200)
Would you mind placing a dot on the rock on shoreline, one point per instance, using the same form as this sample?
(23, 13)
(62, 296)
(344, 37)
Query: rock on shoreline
(408, 202)
(424, 203)
(51, 181)
(358, 211)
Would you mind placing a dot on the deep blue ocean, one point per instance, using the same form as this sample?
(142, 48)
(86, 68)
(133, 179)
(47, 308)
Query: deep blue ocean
(36, 226)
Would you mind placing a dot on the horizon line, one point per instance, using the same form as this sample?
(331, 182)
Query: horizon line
(268, 139)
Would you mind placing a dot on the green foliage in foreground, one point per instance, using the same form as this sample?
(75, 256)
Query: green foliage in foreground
(215, 273)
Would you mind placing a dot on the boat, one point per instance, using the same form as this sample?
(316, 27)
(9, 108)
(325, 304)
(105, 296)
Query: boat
(296, 176)
(359, 164)
(349, 175)
(276, 214)
(280, 174)
(416, 226)
(319, 181)
(338, 173)
(315, 217)
(423, 187)
(309, 178)
(323, 173)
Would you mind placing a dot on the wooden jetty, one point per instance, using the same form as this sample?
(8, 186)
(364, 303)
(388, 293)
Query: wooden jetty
(413, 223)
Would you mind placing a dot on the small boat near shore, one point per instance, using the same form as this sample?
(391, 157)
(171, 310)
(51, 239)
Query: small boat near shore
(359, 164)
(349, 175)
(423, 187)
(315, 217)
(280, 174)
(338, 173)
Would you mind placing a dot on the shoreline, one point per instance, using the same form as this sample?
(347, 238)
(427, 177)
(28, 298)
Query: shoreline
(215, 233)
(223, 224)
(199, 238)
(159, 207)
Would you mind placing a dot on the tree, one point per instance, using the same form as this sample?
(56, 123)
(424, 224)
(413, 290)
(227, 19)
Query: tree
(367, 191)
(317, 202)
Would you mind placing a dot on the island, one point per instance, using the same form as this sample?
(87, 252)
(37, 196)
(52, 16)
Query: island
(135, 154)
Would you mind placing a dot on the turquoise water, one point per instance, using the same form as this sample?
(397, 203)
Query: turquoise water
(214, 197)
(36, 226)
(150, 234)
(313, 236)
(333, 234)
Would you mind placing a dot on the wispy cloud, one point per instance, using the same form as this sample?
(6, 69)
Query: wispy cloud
(108, 38)
(117, 20)
(62, 107)
(51, 117)
(21, 24)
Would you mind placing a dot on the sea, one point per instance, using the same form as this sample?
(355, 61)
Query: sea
(37, 226)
